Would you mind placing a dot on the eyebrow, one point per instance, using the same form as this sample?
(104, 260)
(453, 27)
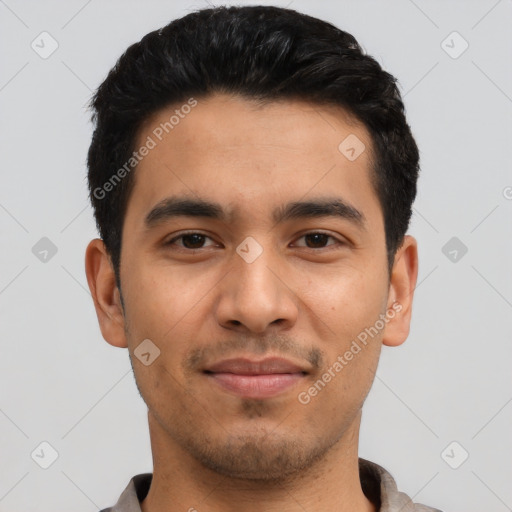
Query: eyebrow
(172, 207)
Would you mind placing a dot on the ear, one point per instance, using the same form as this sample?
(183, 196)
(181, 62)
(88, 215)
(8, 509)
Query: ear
(401, 290)
(105, 294)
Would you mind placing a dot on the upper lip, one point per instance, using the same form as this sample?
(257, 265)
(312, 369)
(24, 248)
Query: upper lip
(244, 366)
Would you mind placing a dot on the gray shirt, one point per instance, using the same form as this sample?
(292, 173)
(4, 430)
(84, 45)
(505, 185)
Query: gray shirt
(378, 486)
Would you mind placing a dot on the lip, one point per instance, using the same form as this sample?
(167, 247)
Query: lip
(249, 378)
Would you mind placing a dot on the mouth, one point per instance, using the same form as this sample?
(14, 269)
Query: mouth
(250, 378)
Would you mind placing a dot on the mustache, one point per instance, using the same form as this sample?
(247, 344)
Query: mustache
(279, 345)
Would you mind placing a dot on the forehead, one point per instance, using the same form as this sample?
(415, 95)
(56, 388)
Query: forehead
(247, 155)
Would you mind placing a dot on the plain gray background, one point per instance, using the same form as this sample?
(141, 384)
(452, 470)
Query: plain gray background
(61, 383)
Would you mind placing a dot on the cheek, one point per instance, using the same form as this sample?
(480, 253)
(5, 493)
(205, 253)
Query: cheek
(347, 301)
(160, 298)
(169, 307)
(340, 390)
(157, 303)
(350, 306)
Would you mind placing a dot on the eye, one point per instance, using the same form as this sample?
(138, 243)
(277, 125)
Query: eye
(318, 239)
(190, 241)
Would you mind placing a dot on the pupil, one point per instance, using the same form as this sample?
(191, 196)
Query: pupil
(316, 236)
(193, 236)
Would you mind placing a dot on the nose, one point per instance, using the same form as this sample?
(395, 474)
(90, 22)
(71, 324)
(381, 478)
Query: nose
(256, 296)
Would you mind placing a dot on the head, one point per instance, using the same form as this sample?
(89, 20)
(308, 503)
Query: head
(259, 122)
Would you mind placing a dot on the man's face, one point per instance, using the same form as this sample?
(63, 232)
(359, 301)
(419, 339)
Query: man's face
(223, 303)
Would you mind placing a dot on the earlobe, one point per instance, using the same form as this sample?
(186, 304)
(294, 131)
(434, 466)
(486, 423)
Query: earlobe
(105, 294)
(401, 291)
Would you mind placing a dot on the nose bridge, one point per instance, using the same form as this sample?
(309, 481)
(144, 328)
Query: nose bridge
(252, 268)
(253, 293)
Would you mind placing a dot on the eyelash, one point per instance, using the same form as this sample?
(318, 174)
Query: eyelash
(182, 235)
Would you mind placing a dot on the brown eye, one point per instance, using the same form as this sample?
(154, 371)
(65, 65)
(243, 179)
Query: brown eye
(193, 241)
(190, 241)
(317, 240)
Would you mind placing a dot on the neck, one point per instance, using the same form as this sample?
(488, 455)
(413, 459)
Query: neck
(181, 483)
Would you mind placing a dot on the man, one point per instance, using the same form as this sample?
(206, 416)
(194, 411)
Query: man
(252, 175)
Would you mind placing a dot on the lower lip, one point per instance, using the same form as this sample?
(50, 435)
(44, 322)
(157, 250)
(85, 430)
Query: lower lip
(256, 386)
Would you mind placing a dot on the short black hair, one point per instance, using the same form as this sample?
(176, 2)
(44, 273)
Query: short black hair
(264, 53)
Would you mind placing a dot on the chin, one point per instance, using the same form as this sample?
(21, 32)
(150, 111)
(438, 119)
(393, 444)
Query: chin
(258, 457)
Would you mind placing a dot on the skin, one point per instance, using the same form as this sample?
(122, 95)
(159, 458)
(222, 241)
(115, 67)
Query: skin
(302, 299)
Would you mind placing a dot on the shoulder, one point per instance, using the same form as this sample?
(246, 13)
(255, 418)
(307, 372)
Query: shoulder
(134, 493)
(379, 485)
